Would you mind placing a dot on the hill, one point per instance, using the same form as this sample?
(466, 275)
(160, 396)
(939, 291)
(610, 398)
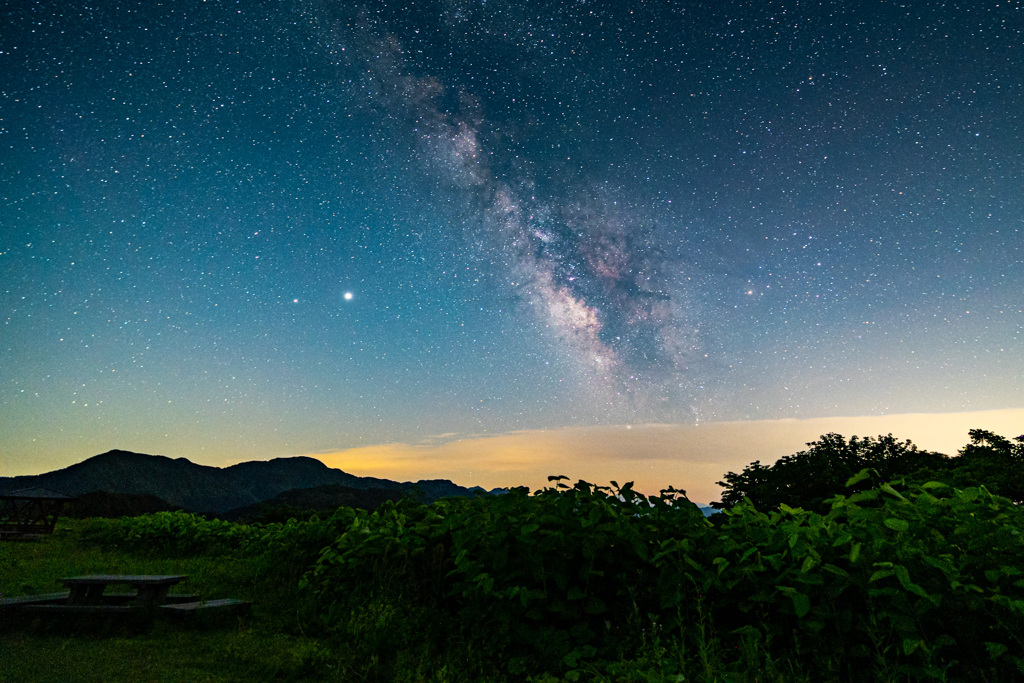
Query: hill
(201, 488)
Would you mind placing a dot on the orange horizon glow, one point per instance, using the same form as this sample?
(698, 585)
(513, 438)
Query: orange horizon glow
(654, 456)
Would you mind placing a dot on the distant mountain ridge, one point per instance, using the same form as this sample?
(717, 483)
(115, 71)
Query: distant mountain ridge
(202, 488)
(320, 500)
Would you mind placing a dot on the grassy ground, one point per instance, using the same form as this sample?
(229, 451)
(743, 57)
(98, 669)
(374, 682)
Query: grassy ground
(161, 655)
(253, 649)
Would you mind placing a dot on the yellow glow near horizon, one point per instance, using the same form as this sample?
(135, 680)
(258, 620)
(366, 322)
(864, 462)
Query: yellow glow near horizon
(689, 457)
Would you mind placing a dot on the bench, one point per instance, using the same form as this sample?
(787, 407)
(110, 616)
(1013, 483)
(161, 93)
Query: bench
(221, 605)
(207, 612)
(41, 598)
(69, 610)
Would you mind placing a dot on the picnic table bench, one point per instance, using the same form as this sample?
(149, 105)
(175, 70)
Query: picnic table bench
(150, 590)
(87, 600)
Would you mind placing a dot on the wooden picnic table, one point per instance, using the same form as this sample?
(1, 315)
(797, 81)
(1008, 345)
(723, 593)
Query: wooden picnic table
(150, 590)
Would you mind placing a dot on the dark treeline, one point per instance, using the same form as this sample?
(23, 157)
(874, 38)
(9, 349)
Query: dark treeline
(810, 478)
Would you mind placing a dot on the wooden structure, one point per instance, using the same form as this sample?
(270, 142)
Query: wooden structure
(150, 591)
(28, 513)
(87, 604)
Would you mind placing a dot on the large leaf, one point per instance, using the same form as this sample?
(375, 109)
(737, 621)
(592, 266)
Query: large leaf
(896, 524)
(801, 602)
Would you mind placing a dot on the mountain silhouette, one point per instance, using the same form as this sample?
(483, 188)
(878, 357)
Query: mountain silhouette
(201, 488)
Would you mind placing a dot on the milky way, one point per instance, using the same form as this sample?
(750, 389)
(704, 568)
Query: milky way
(608, 284)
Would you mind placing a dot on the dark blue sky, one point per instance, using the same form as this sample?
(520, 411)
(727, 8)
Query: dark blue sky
(548, 214)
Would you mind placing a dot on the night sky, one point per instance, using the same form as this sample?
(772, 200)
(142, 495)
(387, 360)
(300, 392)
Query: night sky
(243, 230)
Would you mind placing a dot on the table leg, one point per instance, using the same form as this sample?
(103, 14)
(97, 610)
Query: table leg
(76, 596)
(151, 596)
(86, 595)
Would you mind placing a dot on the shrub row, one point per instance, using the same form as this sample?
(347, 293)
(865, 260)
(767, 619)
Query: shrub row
(924, 583)
(896, 582)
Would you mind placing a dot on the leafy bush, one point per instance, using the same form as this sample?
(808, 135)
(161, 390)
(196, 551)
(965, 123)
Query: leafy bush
(542, 582)
(918, 581)
(173, 532)
(924, 583)
(566, 575)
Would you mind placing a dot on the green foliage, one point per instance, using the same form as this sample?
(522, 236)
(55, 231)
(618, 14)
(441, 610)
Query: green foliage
(542, 582)
(566, 575)
(917, 581)
(922, 583)
(988, 459)
(172, 532)
(809, 478)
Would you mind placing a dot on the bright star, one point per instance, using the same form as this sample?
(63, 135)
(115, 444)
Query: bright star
(348, 296)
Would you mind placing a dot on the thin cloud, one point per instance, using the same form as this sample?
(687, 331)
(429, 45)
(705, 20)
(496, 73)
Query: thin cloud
(654, 456)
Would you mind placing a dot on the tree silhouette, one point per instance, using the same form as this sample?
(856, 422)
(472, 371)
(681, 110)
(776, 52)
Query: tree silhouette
(809, 478)
(990, 460)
